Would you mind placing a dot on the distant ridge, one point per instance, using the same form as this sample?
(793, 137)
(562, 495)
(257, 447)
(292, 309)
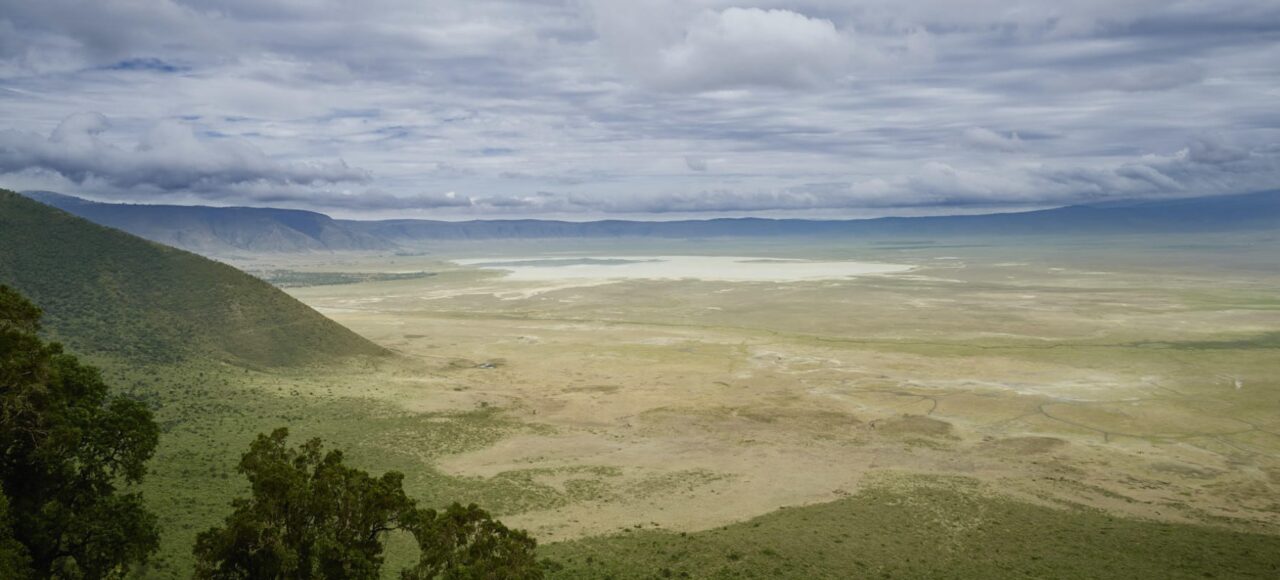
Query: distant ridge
(111, 293)
(221, 230)
(1242, 212)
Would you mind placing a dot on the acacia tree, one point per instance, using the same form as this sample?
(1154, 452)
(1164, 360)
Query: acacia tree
(65, 445)
(310, 516)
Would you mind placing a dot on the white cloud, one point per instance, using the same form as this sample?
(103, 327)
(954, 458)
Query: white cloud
(740, 47)
(724, 49)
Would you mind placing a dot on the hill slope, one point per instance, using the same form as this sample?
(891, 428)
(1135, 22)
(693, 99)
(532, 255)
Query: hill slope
(105, 291)
(220, 230)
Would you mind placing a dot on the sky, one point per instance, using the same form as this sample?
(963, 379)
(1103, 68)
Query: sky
(641, 109)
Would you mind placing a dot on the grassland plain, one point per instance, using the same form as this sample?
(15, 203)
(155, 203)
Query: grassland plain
(1123, 375)
(209, 416)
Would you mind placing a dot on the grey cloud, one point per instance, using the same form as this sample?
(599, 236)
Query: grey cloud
(342, 201)
(62, 34)
(168, 157)
(932, 185)
(942, 185)
(364, 201)
(695, 163)
(983, 138)
(804, 105)
(1133, 78)
(1154, 78)
(558, 179)
(1214, 150)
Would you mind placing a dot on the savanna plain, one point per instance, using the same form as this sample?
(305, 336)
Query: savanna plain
(786, 408)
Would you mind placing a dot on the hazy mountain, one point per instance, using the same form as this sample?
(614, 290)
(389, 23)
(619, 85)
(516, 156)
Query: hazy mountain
(213, 230)
(1224, 213)
(1246, 212)
(105, 291)
(220, 230)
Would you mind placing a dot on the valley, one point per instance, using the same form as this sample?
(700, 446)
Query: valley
(1056, 376)
(646, 410)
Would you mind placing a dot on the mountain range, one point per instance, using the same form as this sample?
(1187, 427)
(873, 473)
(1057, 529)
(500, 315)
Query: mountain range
(231, 230)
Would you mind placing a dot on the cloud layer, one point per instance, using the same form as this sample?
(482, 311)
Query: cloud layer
(169, 157)
(586, 108)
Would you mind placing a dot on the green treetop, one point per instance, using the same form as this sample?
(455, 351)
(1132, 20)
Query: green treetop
(310, 516)
(65, 446)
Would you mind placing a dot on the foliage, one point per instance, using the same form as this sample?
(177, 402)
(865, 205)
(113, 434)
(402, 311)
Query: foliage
(111, 293)
(464, 543)
(14, 560)
(65, 444)
(311, 516)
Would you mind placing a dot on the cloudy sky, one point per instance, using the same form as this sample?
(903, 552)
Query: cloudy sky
(639, 108)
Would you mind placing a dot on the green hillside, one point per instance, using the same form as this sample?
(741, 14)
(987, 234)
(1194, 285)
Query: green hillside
(108, 292)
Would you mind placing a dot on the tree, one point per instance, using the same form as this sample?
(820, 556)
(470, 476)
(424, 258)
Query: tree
(14, 560)
(310, 516)
(465, 543)
(65, 445)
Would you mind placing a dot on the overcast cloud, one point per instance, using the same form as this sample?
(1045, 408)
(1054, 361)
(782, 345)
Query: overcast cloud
(642, 108)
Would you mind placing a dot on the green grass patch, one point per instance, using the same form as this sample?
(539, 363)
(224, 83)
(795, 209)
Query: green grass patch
(209, 413)
(296, 279)
(926, 527)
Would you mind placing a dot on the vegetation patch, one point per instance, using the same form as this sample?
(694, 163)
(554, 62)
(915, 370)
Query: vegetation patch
(1025, 445)
(925, 527)
(914, 425)
(297, 279)
(209, 413)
